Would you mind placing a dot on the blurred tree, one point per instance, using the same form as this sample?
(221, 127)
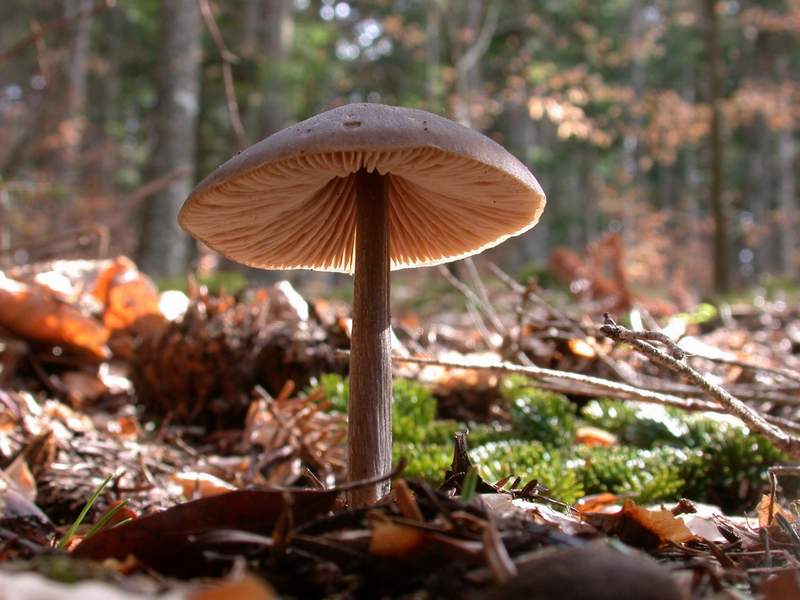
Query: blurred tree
(609, 103)
(722, 269)
(164, 249)
(73, 123)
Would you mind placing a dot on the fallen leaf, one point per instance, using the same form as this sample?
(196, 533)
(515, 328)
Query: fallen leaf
(581, 348)
(781, 586)
(391, 540)
(14, 503)
(641, 527)
(593, 436)
(703, 526)
(503, 506)
(200, 485)
(248, 587)
(37, 314)
(764, 519)
(82, 387)
(23, 480)
(596, 502)
(165, 541)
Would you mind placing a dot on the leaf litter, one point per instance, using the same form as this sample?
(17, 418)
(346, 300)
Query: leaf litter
(219, 465)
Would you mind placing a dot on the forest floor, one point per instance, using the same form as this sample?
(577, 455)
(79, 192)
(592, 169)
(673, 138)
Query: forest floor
(191, 446)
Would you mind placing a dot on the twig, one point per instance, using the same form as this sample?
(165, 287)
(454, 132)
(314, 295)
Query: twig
(573, 326)
(622, 390)
(228, 60)
(782, 372)
(626, 335)
(529, 294)
(472, 297)
(587, 385)
(483, 294)
(476, 50)
(788, 443)
(154, 186)
(480, 326)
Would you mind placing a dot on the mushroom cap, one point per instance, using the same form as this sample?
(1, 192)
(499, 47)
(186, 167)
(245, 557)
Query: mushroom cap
(288, 202)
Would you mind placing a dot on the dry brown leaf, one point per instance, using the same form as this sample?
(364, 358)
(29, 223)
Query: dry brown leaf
(406, 501)
(15, 503)
(36, 314)
(447, 379)
(764, 514)
(248, 587)
(703, 526)
(124, 427)
(20, 475)
(125, 293)
(581, 348)
(391, 540)
(82, 387)
(596, 502)
(781, 586)
(200, 485)
(593, 436)
(642, 527)
(503, 506)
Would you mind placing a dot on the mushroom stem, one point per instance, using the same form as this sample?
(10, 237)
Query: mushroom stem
(369, 429)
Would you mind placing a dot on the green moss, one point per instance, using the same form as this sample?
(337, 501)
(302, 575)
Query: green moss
(442, 431)
(528, 460)
(413, 411)
(424, 461)
(537, 414)
(647, 475)
(485, 433)
(641, 425)
(337, 391)
(663, 453)
(717, 459)
(731, 468)
(413, 407)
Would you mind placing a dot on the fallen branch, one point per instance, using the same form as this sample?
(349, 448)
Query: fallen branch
(587, 385)
(472, 298)
(622, 334)
(755, 421)
(781, 372)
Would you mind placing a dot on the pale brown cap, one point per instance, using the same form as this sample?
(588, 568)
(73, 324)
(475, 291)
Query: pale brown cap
(288, 202)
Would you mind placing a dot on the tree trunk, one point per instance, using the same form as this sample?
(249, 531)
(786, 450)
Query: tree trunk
(757, 194)
(111, 86)
(521, 134)
(268, 108)
(787, 201)
(164, 249)
(74, 118)
(434, 86)
(631, 150)
(787, 187)
(722, 268)
(467, 57)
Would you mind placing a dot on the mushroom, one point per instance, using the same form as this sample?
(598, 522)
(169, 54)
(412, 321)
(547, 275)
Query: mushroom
(362, 189)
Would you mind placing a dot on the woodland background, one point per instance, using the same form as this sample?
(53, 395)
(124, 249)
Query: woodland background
(670, 123)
